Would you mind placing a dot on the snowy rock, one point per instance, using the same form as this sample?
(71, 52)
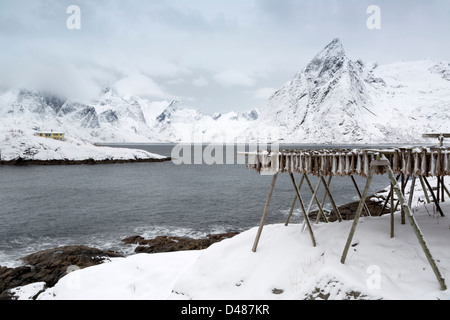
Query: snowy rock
(49, 266)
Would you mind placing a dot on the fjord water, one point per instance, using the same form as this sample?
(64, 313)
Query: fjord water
(45, 207)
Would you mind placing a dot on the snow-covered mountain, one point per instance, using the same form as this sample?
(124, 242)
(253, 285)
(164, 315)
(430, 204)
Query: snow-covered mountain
(181, 124)
(112, 118)
(332, 100)
(337, 100)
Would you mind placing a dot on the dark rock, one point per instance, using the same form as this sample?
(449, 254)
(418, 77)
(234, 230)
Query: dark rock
(134, 240)
(170, 244)
(277, 291)
(27, 162)
(50, 265)
(14, 277)
(348, 210)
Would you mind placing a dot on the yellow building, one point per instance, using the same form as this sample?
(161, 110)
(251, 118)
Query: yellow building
(52, 135)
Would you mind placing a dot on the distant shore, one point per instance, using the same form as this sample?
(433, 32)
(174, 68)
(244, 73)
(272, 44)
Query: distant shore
(27, 162)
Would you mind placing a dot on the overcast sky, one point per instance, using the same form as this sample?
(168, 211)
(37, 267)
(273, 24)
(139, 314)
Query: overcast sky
(214, 55)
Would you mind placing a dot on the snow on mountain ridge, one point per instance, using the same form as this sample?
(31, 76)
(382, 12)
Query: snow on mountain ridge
(325, 102)
(112, 118)
(337, 100)
(331, 100)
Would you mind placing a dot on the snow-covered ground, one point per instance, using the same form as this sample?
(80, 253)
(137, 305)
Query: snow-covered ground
(286, 266)
(24, 144)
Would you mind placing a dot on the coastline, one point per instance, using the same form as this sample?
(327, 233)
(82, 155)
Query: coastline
(31, 162)
(48, 266)
(20, 148)
(56, 267)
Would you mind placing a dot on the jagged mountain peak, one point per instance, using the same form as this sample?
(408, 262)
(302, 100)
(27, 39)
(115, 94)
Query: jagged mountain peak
(108, 93)
(174, 107)
(327, 62)
(335, 99)
(334, 48)
(328, 73)
(175, 104)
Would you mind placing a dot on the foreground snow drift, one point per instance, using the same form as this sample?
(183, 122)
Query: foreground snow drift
(286, 266)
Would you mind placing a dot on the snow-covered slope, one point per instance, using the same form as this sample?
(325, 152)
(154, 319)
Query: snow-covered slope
(337, 100)
(181, 124)
(24, 145)
(414, 98)
(285, 267)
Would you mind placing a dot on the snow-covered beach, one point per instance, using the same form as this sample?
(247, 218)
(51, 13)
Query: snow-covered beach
(285, 267)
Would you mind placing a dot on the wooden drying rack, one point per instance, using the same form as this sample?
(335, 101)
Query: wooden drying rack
(410, 162)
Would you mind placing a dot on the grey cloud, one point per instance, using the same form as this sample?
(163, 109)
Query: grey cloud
(174, 42)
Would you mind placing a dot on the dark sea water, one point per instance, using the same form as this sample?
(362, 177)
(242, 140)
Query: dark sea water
(45, 207)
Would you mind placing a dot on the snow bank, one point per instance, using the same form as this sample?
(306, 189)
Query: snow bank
(22, 144)
(285, 266)
(141, 276)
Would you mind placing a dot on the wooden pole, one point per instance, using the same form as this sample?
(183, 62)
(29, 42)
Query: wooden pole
(359, 194)
(402, 213)
(291, 211)
(302, 207)
(438, 189)
(266, 208)
(324, 197)
(424, 188)
(398, 202)
(385, 203)
(392, 210)
(446, 190)
(328, 185)
(417, 231)
(438, 207)
(411, 191)
(315, 197)
(335, 208)
(387, 200)
(325, 194)
(358, 214)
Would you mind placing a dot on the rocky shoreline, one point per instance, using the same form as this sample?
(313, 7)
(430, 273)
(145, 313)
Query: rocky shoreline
(50, 265)
(170, 244)
(27, 162)
(374, 204)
